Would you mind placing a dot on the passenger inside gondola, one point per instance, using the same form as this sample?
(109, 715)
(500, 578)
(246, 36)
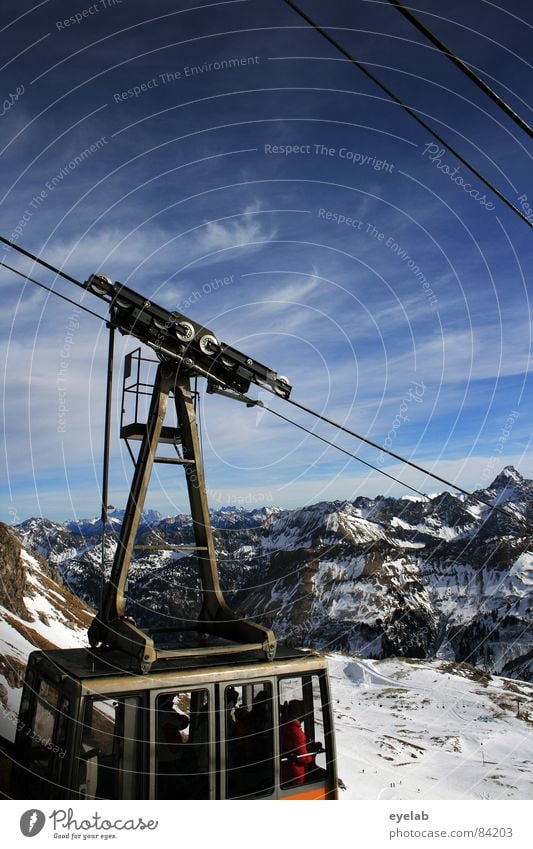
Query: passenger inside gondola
(295, 757)
(173, 726)
(250, 742)
(182, 758)
(301, 731)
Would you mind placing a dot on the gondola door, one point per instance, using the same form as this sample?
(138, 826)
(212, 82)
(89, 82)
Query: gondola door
(182, 743)
(248, 739)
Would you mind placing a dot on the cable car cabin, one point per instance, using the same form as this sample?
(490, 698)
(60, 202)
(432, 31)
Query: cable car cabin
(91, 727)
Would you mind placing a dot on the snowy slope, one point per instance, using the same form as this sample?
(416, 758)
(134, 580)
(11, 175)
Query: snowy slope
(430, 730)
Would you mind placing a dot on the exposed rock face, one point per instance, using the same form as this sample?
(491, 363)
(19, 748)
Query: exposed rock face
(12, 573)
(36, 611)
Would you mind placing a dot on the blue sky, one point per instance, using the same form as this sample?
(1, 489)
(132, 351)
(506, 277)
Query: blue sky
(225, 161)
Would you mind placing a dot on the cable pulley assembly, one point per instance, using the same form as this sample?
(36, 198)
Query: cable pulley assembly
(177, 338)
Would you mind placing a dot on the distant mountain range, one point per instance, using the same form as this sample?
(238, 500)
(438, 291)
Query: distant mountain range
(418, 577)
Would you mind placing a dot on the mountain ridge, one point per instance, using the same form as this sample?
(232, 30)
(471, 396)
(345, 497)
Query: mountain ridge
(443, 576)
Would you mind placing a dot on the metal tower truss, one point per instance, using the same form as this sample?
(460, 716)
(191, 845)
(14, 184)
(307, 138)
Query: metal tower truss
(185, 351)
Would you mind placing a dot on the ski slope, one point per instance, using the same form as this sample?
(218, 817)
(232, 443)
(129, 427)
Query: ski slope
(430, 730)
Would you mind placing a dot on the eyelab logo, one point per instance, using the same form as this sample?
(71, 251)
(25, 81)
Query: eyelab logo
(32, 822)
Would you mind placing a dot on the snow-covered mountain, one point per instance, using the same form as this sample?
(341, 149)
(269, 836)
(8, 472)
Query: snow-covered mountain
(93, 527)
(442, 576)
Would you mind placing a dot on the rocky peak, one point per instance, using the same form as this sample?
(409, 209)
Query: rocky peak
(508, 477)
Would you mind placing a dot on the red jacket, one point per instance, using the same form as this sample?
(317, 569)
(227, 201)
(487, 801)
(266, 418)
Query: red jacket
(294, 755)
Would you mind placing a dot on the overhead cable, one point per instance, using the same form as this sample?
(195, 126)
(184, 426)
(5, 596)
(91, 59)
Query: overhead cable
(413, 465)
(53, 291)
(466, 69)
(408, 109)
(343, 450)
(42, 262)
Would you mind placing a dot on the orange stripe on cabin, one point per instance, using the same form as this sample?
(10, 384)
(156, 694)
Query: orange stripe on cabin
(316, 793)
